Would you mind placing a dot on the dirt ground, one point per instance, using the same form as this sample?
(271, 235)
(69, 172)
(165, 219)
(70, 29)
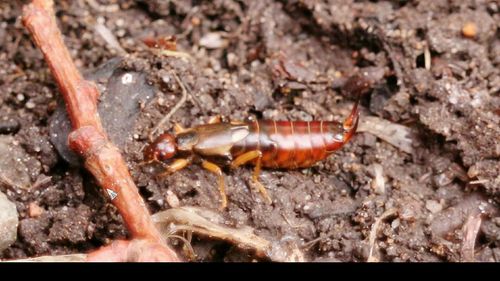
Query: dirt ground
(426, 177)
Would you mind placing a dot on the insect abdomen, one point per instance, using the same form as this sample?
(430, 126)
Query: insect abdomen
(291, 144)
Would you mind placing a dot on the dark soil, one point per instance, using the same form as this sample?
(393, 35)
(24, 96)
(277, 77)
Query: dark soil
(283, 60)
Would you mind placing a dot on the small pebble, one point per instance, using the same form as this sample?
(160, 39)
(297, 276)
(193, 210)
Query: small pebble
(395, 223)
(9, 126)
(30, 105)
(469, 30)
(161, 101)
(101, 20)
(166, 79)
(13, 168)
(34, 211)
(127, 78)
(172, 199)
(195, 21)
(307, 206)
(8, 222)
(391, 251)
(213, 40)
(120, 22)
(433, 206)
(120, 33)
(316, 178)
(232, 59)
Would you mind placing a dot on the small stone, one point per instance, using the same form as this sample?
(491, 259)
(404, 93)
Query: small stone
(120, 33)
(14, 170)
(166, 79)
(408, 212)
(316, 178)
(127, 78)
(232, 60)
(172, 199)
(195, 21)
(30, 105)
(9, 126)
(213, 40)
(161, 101)
(308, 206)
(119, 107)
(120, 22)
(34, 211)
(469, 30)
(391, 251)
(443, 179)
(433, 206)
(395, 223)
(101, 20)
(378, 183)
(20, 97)
(207, 101)
(8, 222)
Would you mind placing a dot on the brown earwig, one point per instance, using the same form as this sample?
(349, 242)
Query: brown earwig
(262, 143)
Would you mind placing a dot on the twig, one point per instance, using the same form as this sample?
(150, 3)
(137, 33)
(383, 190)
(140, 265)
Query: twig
(176, 54)
(174, 109)
(88, 137)
(210, 224)
(483, 181)
(311, 243)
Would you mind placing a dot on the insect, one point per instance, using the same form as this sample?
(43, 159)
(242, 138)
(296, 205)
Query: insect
(261, 143)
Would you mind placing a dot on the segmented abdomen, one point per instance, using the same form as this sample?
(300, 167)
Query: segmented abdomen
(291, 144)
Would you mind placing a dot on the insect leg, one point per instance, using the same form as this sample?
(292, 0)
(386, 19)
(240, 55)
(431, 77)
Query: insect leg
(178, 128)
(143, 163)
(245, 158)
(211, 167)
(249, 156)
(177, 165)
(215, 119)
